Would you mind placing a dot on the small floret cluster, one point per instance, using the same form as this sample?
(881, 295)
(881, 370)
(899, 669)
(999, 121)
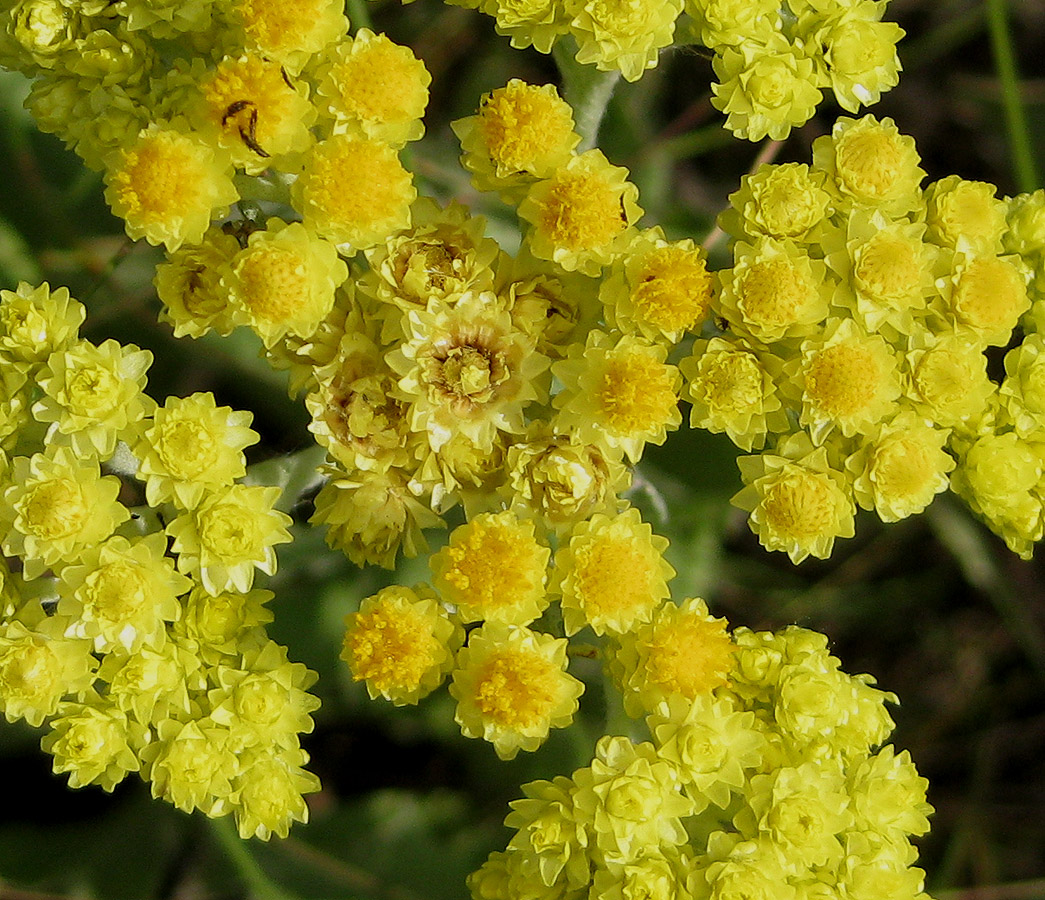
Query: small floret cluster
(858, 321)
(497, 577)
(130, 628)
(773, 60)
(770, 781)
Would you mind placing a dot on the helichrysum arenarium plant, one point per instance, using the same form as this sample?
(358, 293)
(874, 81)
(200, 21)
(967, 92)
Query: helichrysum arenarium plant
(495, 389)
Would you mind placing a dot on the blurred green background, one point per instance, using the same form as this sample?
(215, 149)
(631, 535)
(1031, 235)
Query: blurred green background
(935, 608)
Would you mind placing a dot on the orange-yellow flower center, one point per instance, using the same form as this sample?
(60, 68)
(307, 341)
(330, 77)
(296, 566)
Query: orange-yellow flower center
(517, 688)
(635, 394)
(673, 289)
(581, 211)
(55, 509)
(843, 379)
(689, 656)
(800, 505)
(390, 648)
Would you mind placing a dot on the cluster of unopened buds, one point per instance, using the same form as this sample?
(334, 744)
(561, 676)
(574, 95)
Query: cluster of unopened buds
(845, 349)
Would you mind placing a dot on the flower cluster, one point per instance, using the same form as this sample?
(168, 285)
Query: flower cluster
(773, 61)
(129, 625)
(771, 784)
(859, 316)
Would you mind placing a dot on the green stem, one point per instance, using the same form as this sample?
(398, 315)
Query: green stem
(1015, 116)
(258, 883)
(359, 15)
(586, 89)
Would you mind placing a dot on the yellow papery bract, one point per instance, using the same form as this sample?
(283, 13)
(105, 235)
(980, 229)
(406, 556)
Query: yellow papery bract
(798, 502)
(189, 283)
(269, 791)
(55, 507)
(35, 322)
(848, 380)
(401, 643)
(231, 532)
(965, 215)
(93, 396)
(467, 369)
(657, 288)
(785, 201)
(354, 191)
(192, 447)
(683, 652)
(579, 213)
(871, 164)
(39, 666)
(123, 593)
(521, 133)
(900, 471)
(765, 89)
(289, 31)
(733, 389)
(512, 688)
(93, 744)
(371, 87)
(626, 35)
(774, 291)
(612, 574)
(494, 569)
(168, 185)
(249, 107)
(283, 281)
(372, 515)
(618, 391)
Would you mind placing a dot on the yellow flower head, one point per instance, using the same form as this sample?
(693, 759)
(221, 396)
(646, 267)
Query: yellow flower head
(521, 133)
(764, 88)
(949, 380)
(734, 21)
(560, 480)
(848, 380)
(797, 502)
(774, 291)
(192, 447)
(192, 766)
(122, 593)
(536, 23)
(232, 532)
(93, 744)
(683, 652)
(269, 793)
(658, 289)
(579, 212)
(612, 574)
(786, 201)
(371, 515)
(55, 508)
(168, 185)
(218, 624)
(401, 643)
(370, 87)
(289, 31)
(618, 391)
(987, 295)
(871, 164)
(354, 191)
(444, 254)
(889, 268)
(965, 215)
(93, 396)
(355, 413)
(248, 103)
(35, 322)
(860, 52)
(900, 472)
(466, 369)
(623, 34)
(1022, 393)
(493, 570)
(511, 687)
(39, 665)
(189, 285)
(733, 390)
(283, 281)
